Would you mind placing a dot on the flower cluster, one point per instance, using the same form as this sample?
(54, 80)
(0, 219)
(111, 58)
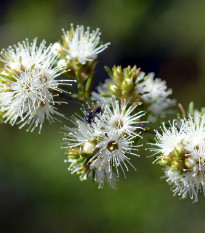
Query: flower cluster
(79, 49)
(77, 52)
(28, 84)
(102, 140)
(181, 149)
(134, 85)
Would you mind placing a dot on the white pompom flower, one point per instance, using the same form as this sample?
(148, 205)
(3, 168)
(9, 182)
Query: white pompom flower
(155, 94)
(181, 150)
(114, 150)
(80, 143)
(28, 85)
(83, 44)
(25, 55)
(97, 145)
(124, 118)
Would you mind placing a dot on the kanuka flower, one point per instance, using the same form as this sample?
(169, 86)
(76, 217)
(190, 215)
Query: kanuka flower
(25, 55)
(154, 93)
(123, 117)
(80, 143)
(29, 84)
(133, 85)
(113, 150)
(181, 152)
(80, 44)
(97, 148)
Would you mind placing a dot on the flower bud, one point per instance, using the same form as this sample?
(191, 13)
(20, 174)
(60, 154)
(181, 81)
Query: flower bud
(56, 49)
(177, 166)
(88, 147)
(115, 90)
(165, 160)
(118, 74)
(127, 85)
(179, 152)
(62, 63)
(190, 162)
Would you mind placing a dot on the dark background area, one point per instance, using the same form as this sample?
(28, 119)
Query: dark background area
(37, 193)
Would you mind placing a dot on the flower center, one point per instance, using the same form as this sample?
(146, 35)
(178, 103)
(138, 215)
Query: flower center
(44, 79)
(118, 123)
(112, 146)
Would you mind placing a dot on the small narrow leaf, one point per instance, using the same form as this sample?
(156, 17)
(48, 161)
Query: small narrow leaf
(191, 108)
(109, 71)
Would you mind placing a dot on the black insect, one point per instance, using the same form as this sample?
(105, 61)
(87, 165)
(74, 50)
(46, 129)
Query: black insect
(93, 113)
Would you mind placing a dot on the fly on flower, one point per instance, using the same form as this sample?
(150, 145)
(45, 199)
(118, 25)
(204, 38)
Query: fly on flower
(93, 113)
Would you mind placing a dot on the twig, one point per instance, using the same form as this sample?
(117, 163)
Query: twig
(182, 110)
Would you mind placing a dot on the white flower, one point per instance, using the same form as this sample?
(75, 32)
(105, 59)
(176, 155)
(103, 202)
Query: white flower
(181, 150)
(123, 118)
(62, 64)
(97, 146)
(27, 85)
(46, 111)
(188, 184)
(56, 49)
(170, 138)
(155, 94)
(82, 133)
(25, 55)
(83, 45)
(81, 144)
(113, 150)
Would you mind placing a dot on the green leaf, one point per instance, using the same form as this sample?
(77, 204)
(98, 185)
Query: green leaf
(89, 83)
(107, 95)
(74, 95)
(109, 71)
(202, 112)
(191, 108)
(78, 77)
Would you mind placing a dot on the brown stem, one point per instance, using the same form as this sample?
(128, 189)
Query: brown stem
(122, 103)
(184, 113)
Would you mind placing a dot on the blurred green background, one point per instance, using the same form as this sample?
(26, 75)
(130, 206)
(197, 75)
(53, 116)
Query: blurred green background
(37, 193)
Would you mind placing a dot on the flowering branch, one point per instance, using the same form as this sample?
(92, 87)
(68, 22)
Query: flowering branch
(106, 135)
